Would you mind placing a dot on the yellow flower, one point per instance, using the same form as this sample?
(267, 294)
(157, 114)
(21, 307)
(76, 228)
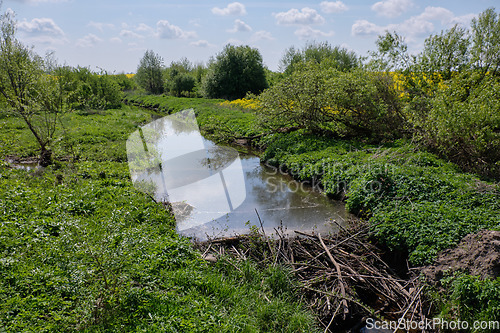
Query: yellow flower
(243, 103)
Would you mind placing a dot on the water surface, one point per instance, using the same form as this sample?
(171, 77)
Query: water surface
(216, 192)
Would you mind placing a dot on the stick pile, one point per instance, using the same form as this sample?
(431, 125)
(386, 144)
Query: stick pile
(342, 276)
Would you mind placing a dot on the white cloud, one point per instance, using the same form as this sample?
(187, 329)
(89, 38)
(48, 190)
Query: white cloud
(392, 8)
(40, 26)
(201, 43)
(195, 23)
(305, 16)
(331, 7)
(101, 26)
(262, 35)
(240, 26)
(310, 33)
(463, 20)
(130, 34)
(364, 28)
(416, 26)
(145, 28)
(234, 41)
(88, 41)
(235, 8)
(115, 40)
(42, 31)
(436, 14)
(166, 30)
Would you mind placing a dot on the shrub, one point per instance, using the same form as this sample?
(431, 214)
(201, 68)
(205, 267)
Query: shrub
(356, 103)
(236, 71)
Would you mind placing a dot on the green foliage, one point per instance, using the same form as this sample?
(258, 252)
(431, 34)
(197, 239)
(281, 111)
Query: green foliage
(81, 249)
(182, 78)
(149, 74)
(464, 123)
(320, 53)
(26, 88)
(445, 54)
(485, 49)
(450, 90)
(236, 71)
(356, 103)
(182, 84)
(217, 123)
(88, 90)
(416, 202)
(470, 298)
(125, 83)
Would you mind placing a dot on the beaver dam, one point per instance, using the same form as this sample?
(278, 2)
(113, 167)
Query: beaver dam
(343, 277)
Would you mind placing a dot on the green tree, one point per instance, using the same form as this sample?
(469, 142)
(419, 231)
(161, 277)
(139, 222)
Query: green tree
(236, 71)
(28, 89)
(124, 82)
(181, 77)
(450, 91)
(181, 84)
(485, 51)
(321, 53)
(90, 90)
(149, 74)
(355, 103)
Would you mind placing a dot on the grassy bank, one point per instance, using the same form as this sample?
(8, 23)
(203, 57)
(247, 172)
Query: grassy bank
(103, 256)
(81, 249)
(417, 204)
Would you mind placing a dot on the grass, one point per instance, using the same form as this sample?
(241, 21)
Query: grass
(416, 202)
(217, 121)
(102, 257)
(82, 249)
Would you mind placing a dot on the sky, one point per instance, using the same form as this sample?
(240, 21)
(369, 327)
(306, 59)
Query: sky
(114, 34)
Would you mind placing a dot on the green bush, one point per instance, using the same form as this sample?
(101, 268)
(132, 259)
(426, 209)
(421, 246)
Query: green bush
(416, 203)
(464, 123)
(126, 83)
(88, 90)
(236, 71)
(471, 299)
(355, 104)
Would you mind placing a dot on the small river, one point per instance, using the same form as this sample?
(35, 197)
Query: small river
(217, 192)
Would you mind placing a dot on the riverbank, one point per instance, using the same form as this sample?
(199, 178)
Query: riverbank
(415, 203)
(83, 250)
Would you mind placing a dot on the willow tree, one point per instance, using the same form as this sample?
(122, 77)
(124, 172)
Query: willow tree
(27, 89)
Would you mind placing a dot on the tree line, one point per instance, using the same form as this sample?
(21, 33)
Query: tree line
(234, 72)
(446, 97)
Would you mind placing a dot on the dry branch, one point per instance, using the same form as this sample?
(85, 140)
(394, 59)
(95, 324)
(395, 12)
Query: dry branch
(348, 273)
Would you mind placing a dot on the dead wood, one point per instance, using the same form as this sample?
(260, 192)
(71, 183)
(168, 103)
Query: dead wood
(342, 277)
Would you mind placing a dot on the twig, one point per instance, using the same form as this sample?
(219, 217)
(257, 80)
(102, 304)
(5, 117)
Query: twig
(409, 306)
(339, 274)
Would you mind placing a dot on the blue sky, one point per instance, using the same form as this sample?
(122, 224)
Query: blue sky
(114, 34)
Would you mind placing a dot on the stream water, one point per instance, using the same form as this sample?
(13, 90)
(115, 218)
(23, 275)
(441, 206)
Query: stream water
(216, 192)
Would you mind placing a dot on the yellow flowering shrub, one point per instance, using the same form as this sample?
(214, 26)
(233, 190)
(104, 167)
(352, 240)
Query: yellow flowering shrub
(242, 103)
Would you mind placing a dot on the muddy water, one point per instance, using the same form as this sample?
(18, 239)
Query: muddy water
(216, 192)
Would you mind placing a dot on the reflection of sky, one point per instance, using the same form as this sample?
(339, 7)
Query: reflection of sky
(222, 190)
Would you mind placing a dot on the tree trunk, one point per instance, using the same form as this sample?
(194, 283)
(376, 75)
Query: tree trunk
(45, 157)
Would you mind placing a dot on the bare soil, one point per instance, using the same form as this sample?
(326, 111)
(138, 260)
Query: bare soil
(476, 254)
